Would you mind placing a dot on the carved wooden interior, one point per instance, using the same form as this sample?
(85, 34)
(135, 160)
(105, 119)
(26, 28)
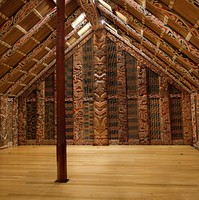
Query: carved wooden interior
(131, 72)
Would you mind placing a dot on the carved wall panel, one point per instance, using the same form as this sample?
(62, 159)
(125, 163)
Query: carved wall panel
(15, 122)
(88, 92)
(31, 118)
(112, 92)
(153, 107)
(100, 92)
(186, 118)
(176, 115)
(7, 122)
(113, 95)
(122, 97)
(78, 97)
(132, 99)
(40, 113)
(22, 121)
(69, 99)
(143, 105)
(49, 119)
(164, 112)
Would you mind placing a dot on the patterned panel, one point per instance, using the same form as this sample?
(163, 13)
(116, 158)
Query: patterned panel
(164, 111)
(22, 121)
(69, 98)
(9, 123)
(153, 82)
(113, 119)
(153, 106)
(49, 121)
(49, 86)
(69, 78)
(88, 122)
(154, 118)
(132, 106)
(69, 119)
(122, 102)
(112, 90)
(176, 118)
(31, 120)
(88, 73)
(100, 93)
(40, 113)
(132, 102)
(111, 69)
(78, 97)
(88, 68)
(173, 90)
(131, 75)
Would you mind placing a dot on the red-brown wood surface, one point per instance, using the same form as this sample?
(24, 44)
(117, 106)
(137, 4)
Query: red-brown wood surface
(61, 140)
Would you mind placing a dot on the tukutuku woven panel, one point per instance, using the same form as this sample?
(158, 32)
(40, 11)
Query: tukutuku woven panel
(112, 90)
(88, 92)
(132, 103)
(69, 98)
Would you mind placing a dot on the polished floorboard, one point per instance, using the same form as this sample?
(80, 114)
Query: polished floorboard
(101, 173)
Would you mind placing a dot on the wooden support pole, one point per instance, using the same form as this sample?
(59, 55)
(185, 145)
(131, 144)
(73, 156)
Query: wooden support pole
(61, 138)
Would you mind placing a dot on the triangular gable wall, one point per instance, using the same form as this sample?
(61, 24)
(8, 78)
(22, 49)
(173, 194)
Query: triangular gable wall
(152, 114)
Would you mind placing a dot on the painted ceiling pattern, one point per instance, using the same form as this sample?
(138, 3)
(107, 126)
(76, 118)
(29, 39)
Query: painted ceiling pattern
(164, 31)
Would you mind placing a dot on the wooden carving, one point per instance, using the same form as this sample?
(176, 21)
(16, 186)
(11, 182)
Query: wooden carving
(15, 122)
(40, 113)
(164, 112)
(22, 121)
(142, 105)
(122, 102)
(78, 97)
(100, 93)
(186, 118)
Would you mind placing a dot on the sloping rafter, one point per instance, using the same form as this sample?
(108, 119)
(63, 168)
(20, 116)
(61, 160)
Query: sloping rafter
(136, 29)
(160, 30)
(91, 13)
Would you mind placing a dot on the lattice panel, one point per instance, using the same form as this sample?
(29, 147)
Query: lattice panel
(111, 68)
(154, 118)
(69, 120)
(173, 90)
(49, 121)
(112, 90)
(132, 107)
(88, 68)
(69, 96)
(49, 86)
(113, 119)
(131, 75)
(88, 92)
(132, 102)
(69, 78)
(153, 82)
(31, 120)
(176, 118)
(88, 121)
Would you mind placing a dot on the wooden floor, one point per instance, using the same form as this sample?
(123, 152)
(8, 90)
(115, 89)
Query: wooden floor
(111, 173)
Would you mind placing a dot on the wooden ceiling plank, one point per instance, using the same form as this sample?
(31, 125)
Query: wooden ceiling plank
(187, 86)
(160, 24)
(39, 48)
(91, 13)
(19, 16)
(77, 44)
(26, 37)
(4, 16)
(134, 32)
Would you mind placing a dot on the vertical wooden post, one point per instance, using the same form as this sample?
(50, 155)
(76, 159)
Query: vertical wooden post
(61, 138)
(100, 91)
